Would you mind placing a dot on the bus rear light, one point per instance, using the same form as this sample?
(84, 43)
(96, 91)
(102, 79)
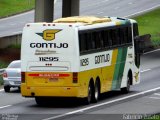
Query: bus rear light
(75, 77)
(5, 75)
(44, 24)
(23, 77)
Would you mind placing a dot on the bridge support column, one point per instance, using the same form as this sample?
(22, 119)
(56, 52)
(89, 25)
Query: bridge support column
(44, 10)
(70, 8)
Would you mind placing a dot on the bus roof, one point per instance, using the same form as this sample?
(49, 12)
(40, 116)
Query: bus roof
(83, 19)
(91, 20)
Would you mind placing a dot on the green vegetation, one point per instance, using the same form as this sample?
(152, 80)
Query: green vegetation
(149, 24)
(1, 80)
(2, 65)
(17, 46)
(11, 7)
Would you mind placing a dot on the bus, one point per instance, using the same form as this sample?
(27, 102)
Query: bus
(79, 57)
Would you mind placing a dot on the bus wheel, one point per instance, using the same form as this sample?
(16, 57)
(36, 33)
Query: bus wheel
(88, 99)
(96, 91)
(40, 101)
(127, 88)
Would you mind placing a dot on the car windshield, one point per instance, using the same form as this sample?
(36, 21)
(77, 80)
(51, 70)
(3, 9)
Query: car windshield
(15, 65)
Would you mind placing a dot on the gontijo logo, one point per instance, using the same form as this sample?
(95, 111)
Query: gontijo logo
(49, 34)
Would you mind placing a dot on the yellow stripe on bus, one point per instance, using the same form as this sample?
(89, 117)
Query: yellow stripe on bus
(108, 72)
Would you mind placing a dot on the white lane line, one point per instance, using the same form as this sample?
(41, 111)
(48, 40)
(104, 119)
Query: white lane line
(151, 51)
(130, 3)
(1, 90)
(158, 94)
(5, 106)
(100, 13)
(157, 98)
(102, 104)
(142, 71)
(143, 11)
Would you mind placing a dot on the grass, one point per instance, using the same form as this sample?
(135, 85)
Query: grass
(11, 7)
(149, 23)
(17, 46)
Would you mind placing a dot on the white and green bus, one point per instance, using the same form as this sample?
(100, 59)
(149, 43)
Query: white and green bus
(79, 57)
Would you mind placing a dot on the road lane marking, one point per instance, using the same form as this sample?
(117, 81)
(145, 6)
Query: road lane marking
(152, 51)
(5, 106)
(102, 104)
(157, 98)
(158, 94)
(142, 71)
(130, 3)
(100, 13)
(152, 8)
(1, 90)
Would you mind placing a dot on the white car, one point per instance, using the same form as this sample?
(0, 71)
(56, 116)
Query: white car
(12, 75)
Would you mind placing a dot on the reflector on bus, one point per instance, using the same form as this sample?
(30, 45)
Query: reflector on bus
(49, 68)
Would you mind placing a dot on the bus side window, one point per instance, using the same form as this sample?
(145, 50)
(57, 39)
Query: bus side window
(101, 39)
(105, 35)
(96, 39)
(122, 36)
(110, 38)
(135, 29)
(93, 42)
(119, 40)
(89, 41)
(125, 31)
(129, 40)
(114, 37)
(82, 42)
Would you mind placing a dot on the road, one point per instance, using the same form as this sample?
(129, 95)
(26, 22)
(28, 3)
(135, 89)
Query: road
(144, 98)
(122, 8)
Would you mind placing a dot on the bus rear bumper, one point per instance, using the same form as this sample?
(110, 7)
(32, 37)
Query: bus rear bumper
(52, 92)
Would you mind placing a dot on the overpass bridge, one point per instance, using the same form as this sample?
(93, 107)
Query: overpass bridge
(11, 27)
(44, 9)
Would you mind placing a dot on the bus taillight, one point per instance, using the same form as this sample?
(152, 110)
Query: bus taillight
(23, 77)
(75, 77)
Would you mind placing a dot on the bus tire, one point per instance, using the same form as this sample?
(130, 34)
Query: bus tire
(40, 101)
(127, 88)
(89, 97)
(96, 91)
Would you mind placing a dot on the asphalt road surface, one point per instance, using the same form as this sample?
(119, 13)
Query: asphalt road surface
(122, 8)
(144, 98)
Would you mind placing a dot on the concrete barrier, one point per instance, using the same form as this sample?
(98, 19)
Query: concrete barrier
(10, 40)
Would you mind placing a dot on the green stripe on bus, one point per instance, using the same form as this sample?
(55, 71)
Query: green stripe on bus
(119, 68)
